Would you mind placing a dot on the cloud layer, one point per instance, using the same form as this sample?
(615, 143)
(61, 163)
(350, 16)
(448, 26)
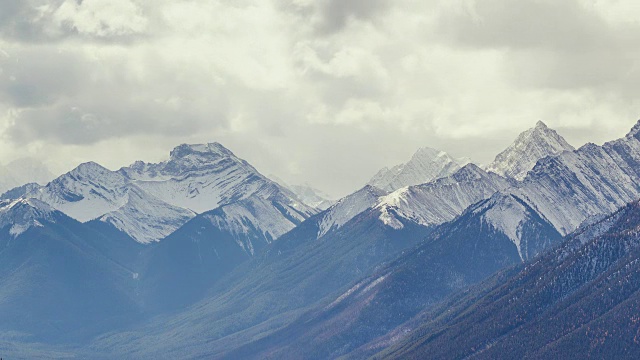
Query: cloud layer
(325, 92)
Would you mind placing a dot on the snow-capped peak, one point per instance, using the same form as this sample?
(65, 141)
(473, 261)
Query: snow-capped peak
(149, 201)
(425, 165)
(441, 200)
(210, 149)
(530, 146)
(22, 214)
(349, 207)
(201, 177)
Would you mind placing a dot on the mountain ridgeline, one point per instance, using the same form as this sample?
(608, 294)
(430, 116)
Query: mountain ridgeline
(202, 256)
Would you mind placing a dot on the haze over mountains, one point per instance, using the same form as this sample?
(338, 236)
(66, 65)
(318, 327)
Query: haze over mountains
(23, 171)
(201, 256)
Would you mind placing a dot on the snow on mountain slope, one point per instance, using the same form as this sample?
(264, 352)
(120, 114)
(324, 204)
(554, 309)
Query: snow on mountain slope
(577, 186)
(146, 218)
(566, 190)
(150, 201)
(584, 294)
(427, 164)
(530, 146)
(348, 207)
(520, 223)
(441, 200)
(203, 177)
(23, 214)
(85, 193)
(253, 218)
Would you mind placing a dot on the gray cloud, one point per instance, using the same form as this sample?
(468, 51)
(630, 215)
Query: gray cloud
(336, 13)
(332, 16)
(40, 21)
(39, 77)
(554, 44)
(543, 24)
(21, 20)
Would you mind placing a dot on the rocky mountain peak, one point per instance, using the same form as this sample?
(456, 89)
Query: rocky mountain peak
(529, 147)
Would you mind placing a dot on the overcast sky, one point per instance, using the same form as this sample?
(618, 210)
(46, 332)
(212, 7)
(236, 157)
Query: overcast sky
(318, 91)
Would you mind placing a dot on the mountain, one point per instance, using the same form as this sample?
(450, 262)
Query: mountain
(426, 205)
(578, 301)
(56, 284)
(269, 290)
(332, 248)
(530, 146)
(150, 201)
(441, 200)
(346, 209)
(581, 186)
(203, 177)
(317, 263)
(425, 165)
(184, 265)
(456, 255)
(91, 191)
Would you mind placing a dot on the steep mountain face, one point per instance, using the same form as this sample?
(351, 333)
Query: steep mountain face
(150, 201)
(347, 208)
(576, 187)
(20, 215)
(441, 200)
(455, 256)
(427, 164)
(56, 284)
(352, 224)
(261, 295)
(426, 205)
(182, 267)
(532, 145)
(584, 295)
(202, 178)
(85, 193)
(144, 217)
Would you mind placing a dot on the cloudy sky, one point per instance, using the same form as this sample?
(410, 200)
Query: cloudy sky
(317, 91)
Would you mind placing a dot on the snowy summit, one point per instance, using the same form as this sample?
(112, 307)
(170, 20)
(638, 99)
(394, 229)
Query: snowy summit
(530, 146)
(427, 164)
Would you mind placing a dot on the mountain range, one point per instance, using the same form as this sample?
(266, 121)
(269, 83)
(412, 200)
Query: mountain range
(150, 201)
(201, 256)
